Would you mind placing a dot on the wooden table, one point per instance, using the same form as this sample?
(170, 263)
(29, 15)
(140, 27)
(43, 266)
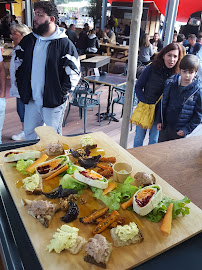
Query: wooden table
(186, 255)
(109, 80)
(117, 49)
(82, 57)
(95, 62)
(178, 162)
(7, 52)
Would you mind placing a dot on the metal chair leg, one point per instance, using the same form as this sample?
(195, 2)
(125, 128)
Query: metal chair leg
(112, 107)
(85, 117)
(80, 113)
(99, 114)
(64, 122)
(122, 112)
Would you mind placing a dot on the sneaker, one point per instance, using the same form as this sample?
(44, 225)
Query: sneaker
(19, 137)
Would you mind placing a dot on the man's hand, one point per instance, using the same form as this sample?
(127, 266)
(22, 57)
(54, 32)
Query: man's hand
(181, 133)
(159, 127)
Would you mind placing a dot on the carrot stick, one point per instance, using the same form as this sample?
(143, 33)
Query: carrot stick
(110, 187)
(106, 222)
(109, 159)
(56, 173)
(33, 166)
(94, 215)
(127, 204)
(167, 220)
(104, 167)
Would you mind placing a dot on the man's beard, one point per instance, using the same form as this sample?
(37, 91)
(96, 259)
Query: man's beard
(42, 28)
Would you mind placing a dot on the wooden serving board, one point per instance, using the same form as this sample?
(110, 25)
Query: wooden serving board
(126, 257)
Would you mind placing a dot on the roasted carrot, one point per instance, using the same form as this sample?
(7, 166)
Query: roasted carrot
(108, 159)
(110, 187)
(106, 222)
(94, 215)
(56, 173)
(127, 204)
(167, 220)
(104, 167)
(119, 221)
(98, 220)
(33, 166)
(105, 173)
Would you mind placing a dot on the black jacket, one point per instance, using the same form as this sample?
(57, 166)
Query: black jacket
(82, 42)
(150, 85)
(61, 53)
(93, 43)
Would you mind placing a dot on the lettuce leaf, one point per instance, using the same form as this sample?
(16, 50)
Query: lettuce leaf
(22, 165)
(69, 182)
(71, 169)
(178, 208)
(126, 189)
(111, 200)
(122, 193)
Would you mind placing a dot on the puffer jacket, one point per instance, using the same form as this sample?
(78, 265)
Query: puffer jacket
(150, 85)
(186, 105)
(93, 43)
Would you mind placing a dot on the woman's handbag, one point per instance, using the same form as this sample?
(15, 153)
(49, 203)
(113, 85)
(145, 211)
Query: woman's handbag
(143, 114)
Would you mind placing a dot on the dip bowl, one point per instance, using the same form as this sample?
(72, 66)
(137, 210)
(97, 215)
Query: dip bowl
(121, 171)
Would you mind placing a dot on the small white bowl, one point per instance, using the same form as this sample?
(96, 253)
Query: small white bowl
(121, 171)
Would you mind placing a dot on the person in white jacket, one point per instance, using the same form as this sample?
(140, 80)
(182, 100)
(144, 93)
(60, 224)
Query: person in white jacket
(2, 93)
(18, 31)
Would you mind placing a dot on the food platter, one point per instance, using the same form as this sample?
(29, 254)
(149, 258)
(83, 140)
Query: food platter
(154, 241)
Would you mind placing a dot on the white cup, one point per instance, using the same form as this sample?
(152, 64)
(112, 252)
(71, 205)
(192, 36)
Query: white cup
(121, 171)
(124, 43)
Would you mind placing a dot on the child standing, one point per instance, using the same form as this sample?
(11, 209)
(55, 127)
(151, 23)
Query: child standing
(181, 105)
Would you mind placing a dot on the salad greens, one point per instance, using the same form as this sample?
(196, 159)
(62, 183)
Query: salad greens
(120, 194)
(22, 165)
(111, 200)
(178, 208)
(71, 169)
(69, 182)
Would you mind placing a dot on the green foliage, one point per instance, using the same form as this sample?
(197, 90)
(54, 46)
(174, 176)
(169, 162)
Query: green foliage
(95, 10)
(122, 193)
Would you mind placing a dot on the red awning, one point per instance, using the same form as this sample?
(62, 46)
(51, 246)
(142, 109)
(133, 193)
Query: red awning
(185, 8)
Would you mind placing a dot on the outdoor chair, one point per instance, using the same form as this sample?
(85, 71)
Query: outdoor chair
(120, 98)
(84, 98)
(120, 91)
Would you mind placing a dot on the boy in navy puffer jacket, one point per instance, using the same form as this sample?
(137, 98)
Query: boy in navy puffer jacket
(181, 105)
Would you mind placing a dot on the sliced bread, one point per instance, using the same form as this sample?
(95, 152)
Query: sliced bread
(80, 241)
(42, 210)
(120, 243)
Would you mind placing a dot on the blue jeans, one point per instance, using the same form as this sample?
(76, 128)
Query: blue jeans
(20, 109)
(140, 135)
